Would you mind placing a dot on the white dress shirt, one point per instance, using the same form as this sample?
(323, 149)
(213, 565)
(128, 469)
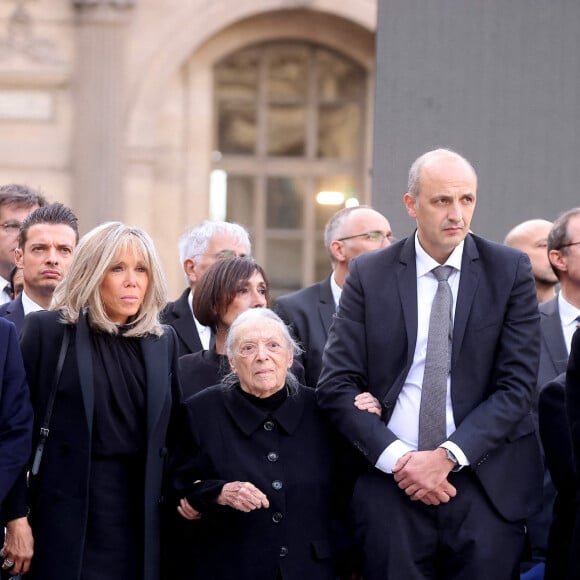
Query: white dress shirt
(5, 296)
(404, 422)
(336, 291)
(28, 305)
(568, 315)
(203, 331)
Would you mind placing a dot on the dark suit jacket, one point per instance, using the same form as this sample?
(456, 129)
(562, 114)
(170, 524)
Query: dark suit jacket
(553, 353)
(496, 344)
(573, 412)
(178, 314)
(15, 410)
(288, 454)
(14, 311)
(309, 313)
(59, 493)
(557, 445)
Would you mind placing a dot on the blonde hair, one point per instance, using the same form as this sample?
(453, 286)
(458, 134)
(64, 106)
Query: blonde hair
(80, 291)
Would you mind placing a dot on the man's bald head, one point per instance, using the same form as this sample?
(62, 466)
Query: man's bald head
(531, 237)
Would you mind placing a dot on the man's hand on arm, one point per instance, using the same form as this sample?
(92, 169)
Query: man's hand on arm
(423, 476)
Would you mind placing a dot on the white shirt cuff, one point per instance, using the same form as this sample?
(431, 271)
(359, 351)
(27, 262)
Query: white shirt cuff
(456, 450)
(389, 457)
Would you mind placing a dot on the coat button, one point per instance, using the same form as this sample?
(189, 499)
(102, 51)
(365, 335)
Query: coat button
(269, 425)
(283, 551)
(277, 484)
(277, 517)
(272, 457)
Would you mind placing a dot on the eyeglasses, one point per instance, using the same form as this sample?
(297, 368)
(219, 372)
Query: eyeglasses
(374, 236)
(11, 227)
(251, 348)
(570, 244)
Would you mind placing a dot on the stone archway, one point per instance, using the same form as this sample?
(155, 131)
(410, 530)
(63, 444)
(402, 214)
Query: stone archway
(170, 116)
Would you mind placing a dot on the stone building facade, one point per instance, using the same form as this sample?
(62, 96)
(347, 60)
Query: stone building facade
(162, 113)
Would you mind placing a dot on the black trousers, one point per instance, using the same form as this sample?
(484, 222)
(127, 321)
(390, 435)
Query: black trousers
(403, 539)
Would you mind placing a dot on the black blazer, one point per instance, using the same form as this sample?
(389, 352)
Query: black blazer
(178, 314)
(309, 313)
(573, 412)
(15, 412)
(496, 344)
(289, 455)
(14, 311)
(553, 353)
(59, 494)
(557, 445)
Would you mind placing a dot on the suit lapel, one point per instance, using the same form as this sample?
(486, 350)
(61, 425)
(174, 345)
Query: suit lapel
(184, 323)
(553, 334)
(85, 367)
(156, 357)
(406, 279)
(468, 282)
(326, 306)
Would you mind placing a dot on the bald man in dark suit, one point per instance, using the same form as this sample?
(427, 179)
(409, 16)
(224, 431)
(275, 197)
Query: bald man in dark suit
(454, 508)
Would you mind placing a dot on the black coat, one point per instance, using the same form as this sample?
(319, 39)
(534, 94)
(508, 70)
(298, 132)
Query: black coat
(558, 453)
(59, 494)
(288, 454)
(308, 313)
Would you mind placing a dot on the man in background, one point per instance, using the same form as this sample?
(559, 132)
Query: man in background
(349, 233)
(199, 248)
(531, 237)
(46, 243)
(16, 202)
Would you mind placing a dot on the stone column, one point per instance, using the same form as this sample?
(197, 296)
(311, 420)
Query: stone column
(99, 143)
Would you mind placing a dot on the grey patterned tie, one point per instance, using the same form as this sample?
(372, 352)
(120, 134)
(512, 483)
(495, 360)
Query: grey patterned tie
(432, 421)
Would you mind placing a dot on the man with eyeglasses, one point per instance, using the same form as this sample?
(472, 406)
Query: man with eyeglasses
(16, 202)
(559, 319)
(558, 316)
(349, 233)
(199, 248)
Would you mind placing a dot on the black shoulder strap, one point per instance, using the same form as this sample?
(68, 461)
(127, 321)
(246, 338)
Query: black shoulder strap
(44, 430)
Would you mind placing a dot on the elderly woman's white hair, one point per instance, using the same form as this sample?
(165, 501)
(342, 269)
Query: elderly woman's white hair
(96, 252)
(256, 316)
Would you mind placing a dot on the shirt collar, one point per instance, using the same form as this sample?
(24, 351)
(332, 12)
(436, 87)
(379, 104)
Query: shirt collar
(425, 263)
(568, 313)
(335, 289)
(28, 305)
(201, 329)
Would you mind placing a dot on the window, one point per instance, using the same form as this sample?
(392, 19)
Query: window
(290, 123)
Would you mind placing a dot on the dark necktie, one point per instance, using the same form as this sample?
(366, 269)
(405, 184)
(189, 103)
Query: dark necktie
(432, 420)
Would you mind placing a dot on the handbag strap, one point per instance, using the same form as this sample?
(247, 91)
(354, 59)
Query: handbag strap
(45, 428)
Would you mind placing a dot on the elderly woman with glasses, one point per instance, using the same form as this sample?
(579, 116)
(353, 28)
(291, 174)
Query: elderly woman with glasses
(256, 465)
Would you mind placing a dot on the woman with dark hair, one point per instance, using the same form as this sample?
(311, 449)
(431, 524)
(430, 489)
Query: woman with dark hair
(226, 289)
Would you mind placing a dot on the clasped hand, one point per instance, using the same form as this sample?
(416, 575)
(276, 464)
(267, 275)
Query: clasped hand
(423, 476)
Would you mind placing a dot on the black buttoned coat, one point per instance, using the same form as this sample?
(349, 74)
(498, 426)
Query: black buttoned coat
(289, 455)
